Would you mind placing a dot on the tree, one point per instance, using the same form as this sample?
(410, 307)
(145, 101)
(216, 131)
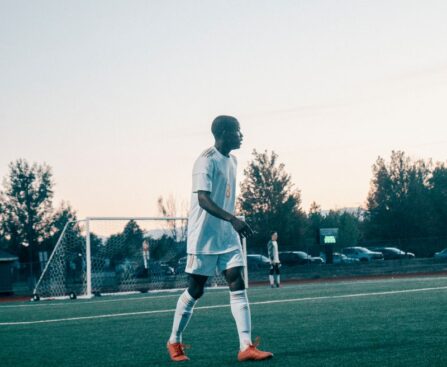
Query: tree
(348, 224)
(438, 196)
(133, 238)
(26, 208)
(61, 217)
(170, 209)
(398, 204)
(171, 246)
(269, 202)
(124, 245)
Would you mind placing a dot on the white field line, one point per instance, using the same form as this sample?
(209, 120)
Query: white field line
(89, 301)
(176, 292)
(86, 302)
(116, 315)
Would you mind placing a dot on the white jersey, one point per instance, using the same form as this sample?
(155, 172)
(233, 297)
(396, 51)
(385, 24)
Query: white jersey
(215, 173)
(272, 248)
(275, 252)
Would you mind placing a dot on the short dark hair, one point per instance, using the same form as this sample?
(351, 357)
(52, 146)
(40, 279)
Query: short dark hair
(273, 232)
(221, 123)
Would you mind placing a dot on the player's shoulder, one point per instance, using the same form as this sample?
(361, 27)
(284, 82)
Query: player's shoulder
(208, 153)
(204, 162)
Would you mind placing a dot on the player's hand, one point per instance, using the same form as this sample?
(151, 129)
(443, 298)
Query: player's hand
(241, 227)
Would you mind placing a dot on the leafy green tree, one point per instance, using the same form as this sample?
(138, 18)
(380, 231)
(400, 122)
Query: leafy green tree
(26, 208)
(269, 202)
(398, 204)
(438, 194)
(124, 245)
(315, 218)
(133, 238)
(348, 224)
(64, 214)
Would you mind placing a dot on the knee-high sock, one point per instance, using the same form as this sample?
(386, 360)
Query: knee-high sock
(241, 313)
(183, 313)
(271, 280)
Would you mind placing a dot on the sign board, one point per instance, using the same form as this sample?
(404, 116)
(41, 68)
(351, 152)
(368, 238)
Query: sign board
(328, 236)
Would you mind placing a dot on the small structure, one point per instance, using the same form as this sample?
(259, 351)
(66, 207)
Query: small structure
(328, 238)
(6, 262)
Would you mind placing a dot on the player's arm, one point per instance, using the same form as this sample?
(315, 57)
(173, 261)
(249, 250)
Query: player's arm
(211, 207)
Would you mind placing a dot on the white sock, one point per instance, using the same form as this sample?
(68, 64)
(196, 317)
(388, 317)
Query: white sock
(241, 313)
(277, 279)
(272, 281)
(183, 313)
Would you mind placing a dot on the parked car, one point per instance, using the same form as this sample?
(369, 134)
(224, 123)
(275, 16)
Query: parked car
(257, 262)
(393, 253)
(343, 259)
(292, 258)
(362, 254)
(441, 254)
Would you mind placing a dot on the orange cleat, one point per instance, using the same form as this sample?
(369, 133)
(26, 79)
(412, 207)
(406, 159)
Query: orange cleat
(177, 352)
(252, 353)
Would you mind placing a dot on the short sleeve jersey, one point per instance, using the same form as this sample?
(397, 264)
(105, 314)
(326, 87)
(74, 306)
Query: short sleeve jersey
(215, 173)
(273, 251)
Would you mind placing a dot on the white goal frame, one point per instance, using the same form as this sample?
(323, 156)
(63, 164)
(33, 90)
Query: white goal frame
(89, 220)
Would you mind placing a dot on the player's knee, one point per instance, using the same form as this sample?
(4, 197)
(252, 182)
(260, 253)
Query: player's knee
(195, 292)
(236, 283)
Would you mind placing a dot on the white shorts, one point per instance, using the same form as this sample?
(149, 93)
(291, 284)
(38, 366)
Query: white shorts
(207, 265)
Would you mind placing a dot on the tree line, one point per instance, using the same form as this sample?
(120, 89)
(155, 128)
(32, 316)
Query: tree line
(406, 206)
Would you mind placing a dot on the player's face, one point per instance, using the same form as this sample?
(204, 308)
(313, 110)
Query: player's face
(233, 136)
(274, 236)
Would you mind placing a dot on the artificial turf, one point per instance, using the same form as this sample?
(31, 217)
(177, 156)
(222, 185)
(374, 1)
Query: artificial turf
(322, 324)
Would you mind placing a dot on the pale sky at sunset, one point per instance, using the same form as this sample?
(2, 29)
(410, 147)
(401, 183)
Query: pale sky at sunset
(118, 96)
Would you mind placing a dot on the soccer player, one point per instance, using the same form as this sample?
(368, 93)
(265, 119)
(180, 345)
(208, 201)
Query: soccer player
(146, 255)
(213, 239)
(272, 248)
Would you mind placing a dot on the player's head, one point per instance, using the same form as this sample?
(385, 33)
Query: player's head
(227, 131)
(274, 235)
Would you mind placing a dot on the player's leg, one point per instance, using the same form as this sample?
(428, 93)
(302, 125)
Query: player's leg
(197, 277)
(240, 307)
(271, 275)
(277, 275)
(185, 305)
(232, 266)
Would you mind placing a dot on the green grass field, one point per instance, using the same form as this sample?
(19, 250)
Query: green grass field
(395, 322)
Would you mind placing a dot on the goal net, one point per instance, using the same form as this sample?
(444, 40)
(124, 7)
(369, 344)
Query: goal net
(98, 256)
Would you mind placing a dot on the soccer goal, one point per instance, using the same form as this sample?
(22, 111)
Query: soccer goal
(111, 255)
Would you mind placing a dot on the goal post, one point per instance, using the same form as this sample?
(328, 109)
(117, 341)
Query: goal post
(111, 255)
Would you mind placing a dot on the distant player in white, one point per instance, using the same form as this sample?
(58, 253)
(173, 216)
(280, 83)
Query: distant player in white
(145, 252)
(213, 239)
(272, 248)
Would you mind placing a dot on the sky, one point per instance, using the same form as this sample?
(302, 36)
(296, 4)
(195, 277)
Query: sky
(118, 96)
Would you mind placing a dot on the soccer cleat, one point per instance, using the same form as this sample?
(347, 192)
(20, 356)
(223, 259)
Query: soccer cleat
(252, 353)
(177, 352)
